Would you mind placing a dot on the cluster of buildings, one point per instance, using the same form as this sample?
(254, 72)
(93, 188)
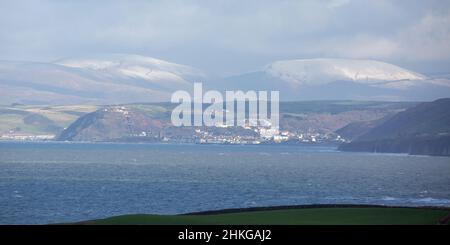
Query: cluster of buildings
(27, 137)
(264, 135)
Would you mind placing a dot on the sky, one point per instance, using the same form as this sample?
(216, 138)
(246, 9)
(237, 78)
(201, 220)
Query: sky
(227, 37)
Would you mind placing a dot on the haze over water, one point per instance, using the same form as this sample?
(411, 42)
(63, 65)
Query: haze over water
(65, 182)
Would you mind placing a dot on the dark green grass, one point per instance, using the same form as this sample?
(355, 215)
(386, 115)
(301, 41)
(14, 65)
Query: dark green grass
(294, 216)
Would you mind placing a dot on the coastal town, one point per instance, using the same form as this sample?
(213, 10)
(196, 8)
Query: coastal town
(131, 125)
(222, 134)
(26, 137)
(265, 135)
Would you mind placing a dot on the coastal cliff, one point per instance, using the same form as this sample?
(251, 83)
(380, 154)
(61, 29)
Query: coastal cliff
(420, 130)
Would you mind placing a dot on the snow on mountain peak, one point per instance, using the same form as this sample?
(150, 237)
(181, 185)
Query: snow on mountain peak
(135, 66)
(322, 71)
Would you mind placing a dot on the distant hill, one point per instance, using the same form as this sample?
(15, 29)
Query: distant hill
(93, 123)
(123, 78)
(342, 79)
(108, 79)
(114, 123)
(423, 129)
(39, 120)
(128, 122)
(354, 130)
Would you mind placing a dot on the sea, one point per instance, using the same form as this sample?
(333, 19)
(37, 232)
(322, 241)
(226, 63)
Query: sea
(50, 182)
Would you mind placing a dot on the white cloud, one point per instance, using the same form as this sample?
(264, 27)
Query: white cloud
(429, 39)
(228, 35)
(337, 3)
(362, 46)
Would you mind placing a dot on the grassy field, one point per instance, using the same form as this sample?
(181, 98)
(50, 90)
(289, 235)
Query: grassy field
(292, 216)
(36, 120)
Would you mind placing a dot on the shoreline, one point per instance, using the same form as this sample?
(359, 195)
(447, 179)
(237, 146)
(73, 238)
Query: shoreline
(308, 206)
(333, 147)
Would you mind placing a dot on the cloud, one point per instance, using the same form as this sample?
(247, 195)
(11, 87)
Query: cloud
(227, 36)
(337, 3)
(426, 40)
(429, 39)
(362, 46)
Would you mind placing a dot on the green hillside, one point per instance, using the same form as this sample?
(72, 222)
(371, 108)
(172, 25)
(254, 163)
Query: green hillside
(293, 216)
(22, 119)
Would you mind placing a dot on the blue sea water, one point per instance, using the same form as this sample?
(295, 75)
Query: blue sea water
(64, 182)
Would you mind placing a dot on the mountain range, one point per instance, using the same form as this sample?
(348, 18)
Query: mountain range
(341, 79)
(119, 78)
(99, 80)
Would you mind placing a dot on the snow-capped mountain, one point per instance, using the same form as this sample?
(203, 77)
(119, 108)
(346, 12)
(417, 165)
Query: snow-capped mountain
(304, 79)
(107, 79)
(136, 67)
(321, 71)
(112, 79)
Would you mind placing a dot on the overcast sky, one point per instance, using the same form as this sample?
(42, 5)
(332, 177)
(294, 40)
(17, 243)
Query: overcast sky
(229, 37)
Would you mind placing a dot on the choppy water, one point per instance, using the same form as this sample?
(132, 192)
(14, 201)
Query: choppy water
(63, 182)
